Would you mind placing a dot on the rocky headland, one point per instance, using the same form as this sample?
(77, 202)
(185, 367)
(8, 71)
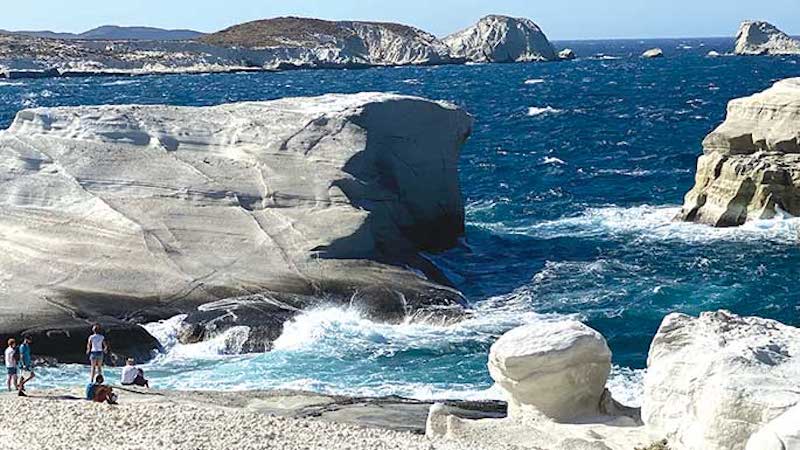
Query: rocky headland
(714, 382)
(763, 38)
(273, 44)
(750, 167)
(501, 39)
(237, 215)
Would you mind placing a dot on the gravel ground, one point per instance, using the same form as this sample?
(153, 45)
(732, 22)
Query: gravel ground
(49, 422)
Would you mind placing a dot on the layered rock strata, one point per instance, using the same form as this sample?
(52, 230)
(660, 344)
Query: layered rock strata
(127, 214)
(750, 167)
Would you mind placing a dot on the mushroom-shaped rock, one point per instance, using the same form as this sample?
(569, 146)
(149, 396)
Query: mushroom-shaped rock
(558, 368)
(653, 53)
(713, 381)
(566, 54)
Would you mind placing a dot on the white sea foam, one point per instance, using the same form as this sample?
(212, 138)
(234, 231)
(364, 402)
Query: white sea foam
(534, 111)
(120, 83)
(650, 223)
(627, 385)
(534, 81)
(552, 160)
(10, 83)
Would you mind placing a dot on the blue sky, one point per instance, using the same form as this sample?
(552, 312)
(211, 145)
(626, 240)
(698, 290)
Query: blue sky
(560, 19)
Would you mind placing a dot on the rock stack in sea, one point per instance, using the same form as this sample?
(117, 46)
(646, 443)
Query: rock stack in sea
(763, 38)
(750, 167)
(127, 214)
(653, 53)
(501, 39)
(714, 382)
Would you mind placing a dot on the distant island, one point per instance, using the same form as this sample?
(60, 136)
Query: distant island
(114, 32)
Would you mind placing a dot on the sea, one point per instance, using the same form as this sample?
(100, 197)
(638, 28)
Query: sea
(571, 179)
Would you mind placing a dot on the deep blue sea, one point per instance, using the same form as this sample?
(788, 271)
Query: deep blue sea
(571, 180)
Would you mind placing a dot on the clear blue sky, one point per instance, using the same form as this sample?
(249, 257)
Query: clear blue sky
(560, 19)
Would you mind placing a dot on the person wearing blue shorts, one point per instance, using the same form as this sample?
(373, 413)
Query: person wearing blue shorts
(11, 363)
(96, 348)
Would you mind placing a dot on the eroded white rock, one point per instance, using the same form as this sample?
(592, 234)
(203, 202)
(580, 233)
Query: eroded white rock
(750, 167)
(763, 38)
(501, 39)
(566, 54)
(558, 368)
(653, 53)
(782, 433)
(713, 381)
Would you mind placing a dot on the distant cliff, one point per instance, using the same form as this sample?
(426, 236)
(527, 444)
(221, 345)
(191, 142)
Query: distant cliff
(502, 39)
(763, 38)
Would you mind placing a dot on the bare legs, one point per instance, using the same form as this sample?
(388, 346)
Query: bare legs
(97, 367)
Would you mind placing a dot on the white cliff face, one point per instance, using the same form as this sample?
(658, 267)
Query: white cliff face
(763, 38)
(558, 368)
(113, 211)
(501, 39)
(715, 380)
(750, 167)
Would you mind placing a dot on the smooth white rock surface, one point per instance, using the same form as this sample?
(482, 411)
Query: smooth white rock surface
(653, 53)
(566, 54)
(783, 433)
(558, 368)
(501, 39)
(713, 381)
(114, 211)
(763, 38)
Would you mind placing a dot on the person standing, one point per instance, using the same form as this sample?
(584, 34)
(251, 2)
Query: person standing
(11, 363)
(96, 348)
(26, 364)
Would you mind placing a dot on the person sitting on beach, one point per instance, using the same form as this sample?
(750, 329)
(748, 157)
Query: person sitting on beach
(99, 392)
(11, 363)
(96, 348)
(26, 364)
(133, 376)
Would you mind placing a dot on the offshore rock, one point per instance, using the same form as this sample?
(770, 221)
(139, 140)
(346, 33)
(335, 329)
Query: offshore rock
(128, 214)
(653, 53)
(750, 167)
(501, 39)
(763, 38)
(713, 381)
(566, 54)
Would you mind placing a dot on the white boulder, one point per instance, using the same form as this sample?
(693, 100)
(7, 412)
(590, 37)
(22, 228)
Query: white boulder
(713, 381)
(783, 433)
(763, 38)
(653, 53)
(558, 368)
(566, 54)
(501, 39)
(713, 54)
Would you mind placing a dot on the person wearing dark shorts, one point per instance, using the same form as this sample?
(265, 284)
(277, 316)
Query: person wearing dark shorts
(25, 364)
(96, 348)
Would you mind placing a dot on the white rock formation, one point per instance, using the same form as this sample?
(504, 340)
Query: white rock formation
(653, 53)
(559, 368)
(501, 39)
(783, 433)
(750, 166)
(566, 54)
(713, 54)
(147, 211)
(763, 38)
(713, 381)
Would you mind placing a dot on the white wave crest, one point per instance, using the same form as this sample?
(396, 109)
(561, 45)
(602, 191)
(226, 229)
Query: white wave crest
(534, 111)
(230, 342)
(534, 81)
(651, 223)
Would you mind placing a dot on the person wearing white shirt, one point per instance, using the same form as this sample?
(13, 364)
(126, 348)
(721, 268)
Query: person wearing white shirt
(11, 363)
(133, 376)
(96, 349)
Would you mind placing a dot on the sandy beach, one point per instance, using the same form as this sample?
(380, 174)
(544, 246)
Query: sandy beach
(184, 420)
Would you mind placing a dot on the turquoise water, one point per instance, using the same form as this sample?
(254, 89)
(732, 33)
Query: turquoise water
(571, 179)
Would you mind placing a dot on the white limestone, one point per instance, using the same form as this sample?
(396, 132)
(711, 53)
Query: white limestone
(566, 54)
(113, 211)
(782, 433)
(763, 38)
(750, 167)
(713, 381)
(501, 39)
(653, 53)
(558, 368)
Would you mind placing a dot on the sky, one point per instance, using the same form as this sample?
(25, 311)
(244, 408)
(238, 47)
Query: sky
(560, 19)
